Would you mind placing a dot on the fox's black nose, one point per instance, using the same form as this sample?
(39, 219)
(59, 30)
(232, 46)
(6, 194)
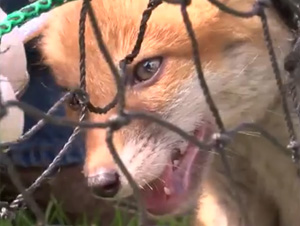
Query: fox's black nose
(105, 184)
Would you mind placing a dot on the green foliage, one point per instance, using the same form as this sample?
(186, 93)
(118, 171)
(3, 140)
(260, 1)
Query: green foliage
(55, 216)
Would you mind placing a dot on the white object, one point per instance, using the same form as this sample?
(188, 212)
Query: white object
(13, 73)
(13, 64)
(13, 80)
(11, 125)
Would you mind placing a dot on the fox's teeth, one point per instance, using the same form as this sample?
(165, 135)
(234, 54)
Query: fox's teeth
(176, 154)
(175, 163)
(182, 151)
(167, 191)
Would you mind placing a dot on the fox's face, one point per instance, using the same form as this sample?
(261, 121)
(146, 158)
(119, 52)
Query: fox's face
(163, 80)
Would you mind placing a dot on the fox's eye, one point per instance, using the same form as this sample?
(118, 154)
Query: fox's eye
(146, 69)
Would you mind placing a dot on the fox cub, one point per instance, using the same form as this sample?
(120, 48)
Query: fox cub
(174, 176)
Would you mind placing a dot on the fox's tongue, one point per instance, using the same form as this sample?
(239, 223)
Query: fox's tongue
(165, 194)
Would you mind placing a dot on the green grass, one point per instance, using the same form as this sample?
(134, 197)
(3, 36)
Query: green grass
(55, 216)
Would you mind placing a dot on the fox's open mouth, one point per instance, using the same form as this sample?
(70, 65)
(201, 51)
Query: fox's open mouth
(166, 194)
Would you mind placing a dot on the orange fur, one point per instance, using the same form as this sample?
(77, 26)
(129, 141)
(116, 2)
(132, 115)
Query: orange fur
(227, 47)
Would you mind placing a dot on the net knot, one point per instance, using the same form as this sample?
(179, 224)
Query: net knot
(294, 147)
(221, 139)
(81, 97)
(7, 214)
(259, 5)
(116, 122)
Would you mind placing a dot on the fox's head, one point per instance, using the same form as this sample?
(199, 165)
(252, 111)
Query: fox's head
(163, 80)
